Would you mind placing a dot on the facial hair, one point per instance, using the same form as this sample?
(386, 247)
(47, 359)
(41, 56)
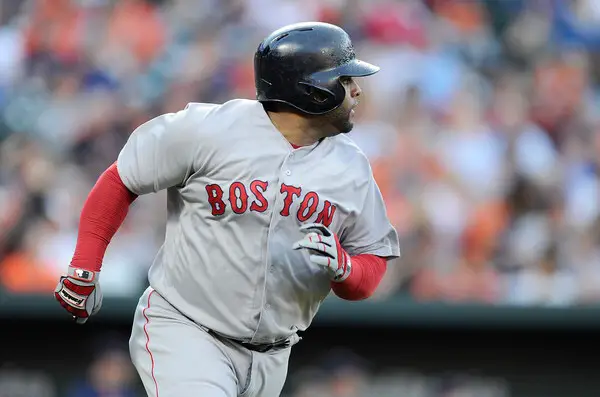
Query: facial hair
(339, 120)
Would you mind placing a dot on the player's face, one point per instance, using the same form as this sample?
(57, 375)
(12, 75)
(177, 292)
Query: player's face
(341, 119)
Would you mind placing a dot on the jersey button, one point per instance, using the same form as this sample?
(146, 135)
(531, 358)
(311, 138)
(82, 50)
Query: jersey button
(288, 172)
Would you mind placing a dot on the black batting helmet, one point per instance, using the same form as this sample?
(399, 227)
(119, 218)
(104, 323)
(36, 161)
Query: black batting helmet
(301, 64)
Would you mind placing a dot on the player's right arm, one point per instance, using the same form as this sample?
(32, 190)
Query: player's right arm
(159, 154)
(164, 151)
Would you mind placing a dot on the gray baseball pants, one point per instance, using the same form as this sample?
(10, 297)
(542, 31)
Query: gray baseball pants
(175, 357)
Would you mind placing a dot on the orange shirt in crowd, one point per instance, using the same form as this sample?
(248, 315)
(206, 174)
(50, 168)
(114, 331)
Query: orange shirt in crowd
(137, 26)
(19, 273)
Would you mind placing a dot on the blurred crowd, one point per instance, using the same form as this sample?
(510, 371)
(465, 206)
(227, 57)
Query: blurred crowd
(482, 129)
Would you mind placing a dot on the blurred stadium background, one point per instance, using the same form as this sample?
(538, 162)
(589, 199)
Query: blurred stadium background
(483, 129)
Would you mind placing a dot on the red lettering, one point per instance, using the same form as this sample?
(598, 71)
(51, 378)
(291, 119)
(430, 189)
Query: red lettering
(254, 187)
(238, 197)
(326, 215)
(308, 206)
(290, 192)
(215, 199)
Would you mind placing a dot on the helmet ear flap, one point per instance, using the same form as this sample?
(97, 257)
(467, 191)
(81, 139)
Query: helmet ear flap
(316, 94)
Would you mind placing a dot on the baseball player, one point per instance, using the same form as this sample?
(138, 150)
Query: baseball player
(270, 208)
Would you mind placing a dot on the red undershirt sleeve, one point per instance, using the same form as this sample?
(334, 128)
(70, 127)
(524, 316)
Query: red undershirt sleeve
(103, 213)
(367, 272)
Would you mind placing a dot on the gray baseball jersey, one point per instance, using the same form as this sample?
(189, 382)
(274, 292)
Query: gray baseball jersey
(237, 194)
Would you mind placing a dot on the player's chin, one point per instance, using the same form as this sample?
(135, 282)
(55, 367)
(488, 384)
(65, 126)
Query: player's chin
(342, 124)
(346, 127)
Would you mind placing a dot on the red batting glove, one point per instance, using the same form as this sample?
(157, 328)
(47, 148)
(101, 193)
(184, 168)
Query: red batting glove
(79, 293)
(328, 251)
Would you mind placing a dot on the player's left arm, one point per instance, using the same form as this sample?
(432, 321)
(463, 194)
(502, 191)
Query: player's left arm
(357, 259)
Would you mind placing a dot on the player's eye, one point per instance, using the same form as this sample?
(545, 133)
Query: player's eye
(346, 80)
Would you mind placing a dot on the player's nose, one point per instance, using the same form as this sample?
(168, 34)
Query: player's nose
(355, 89)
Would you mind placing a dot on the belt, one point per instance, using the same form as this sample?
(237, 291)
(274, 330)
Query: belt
(265, 347)
(260, 348)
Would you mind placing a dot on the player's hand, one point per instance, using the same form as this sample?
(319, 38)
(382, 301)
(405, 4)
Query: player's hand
(79, 293)
(327, 251)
